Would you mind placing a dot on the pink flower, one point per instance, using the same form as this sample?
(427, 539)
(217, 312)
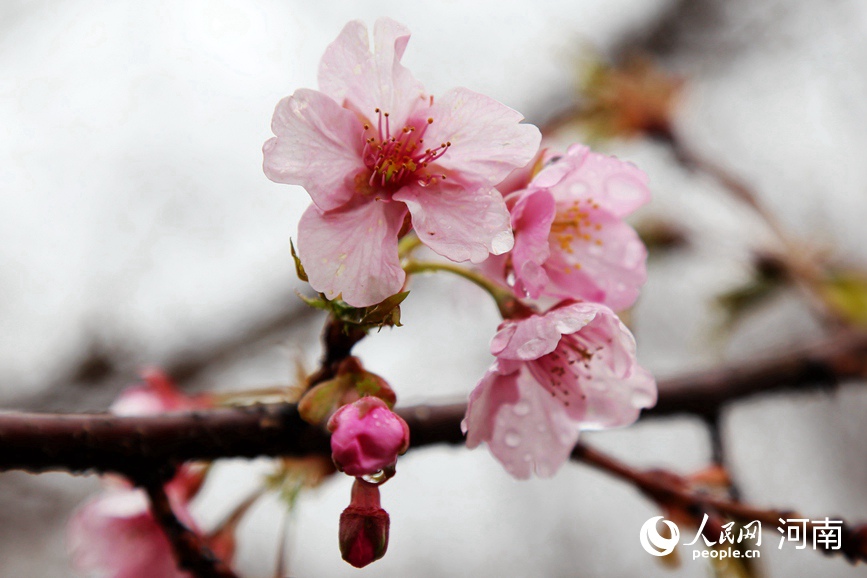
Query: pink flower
(366, 437)
(571, 369)
(157, 394)
(570, 238)
(376, 153)
(115, 535)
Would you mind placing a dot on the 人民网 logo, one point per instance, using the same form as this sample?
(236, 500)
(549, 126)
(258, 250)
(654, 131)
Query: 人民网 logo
(655, 544)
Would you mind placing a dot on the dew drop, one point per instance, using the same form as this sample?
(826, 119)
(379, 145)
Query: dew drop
(527, 457)
(375, 478)
(512, 439)
(521, 408)
(533, 349)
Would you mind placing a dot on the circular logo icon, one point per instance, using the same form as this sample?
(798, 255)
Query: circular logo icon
(655, 544)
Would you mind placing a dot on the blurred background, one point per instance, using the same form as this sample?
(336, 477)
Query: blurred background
(137, 229)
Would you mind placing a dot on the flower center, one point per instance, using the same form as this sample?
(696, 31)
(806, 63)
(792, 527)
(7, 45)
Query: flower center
(394, 159)
(569, 367)
(574, 224)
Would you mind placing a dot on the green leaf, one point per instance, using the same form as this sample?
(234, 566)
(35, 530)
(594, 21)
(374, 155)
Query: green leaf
(385, 313)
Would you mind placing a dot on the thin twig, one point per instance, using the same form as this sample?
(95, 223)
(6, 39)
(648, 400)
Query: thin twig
(669, 490)
(190, 550)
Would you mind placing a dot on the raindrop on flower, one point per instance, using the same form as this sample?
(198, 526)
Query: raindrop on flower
(377, 477)
(521, 408)
(513, 439)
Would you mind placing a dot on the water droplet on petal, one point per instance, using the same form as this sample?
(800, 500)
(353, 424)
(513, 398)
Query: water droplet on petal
(521, 408)
(533, 349)
(512, 439)
(528, 457)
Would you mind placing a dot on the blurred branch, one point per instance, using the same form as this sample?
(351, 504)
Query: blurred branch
(190, 550)
(671, 491)
(102, 365)
(820, 366)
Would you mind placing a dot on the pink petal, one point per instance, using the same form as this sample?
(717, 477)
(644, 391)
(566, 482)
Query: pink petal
(114, 534)
(594, 373)
(520, 178)
(461, 224)
(158, 394)
(525, 429)
(364, 81)
(532, 216)
(617, 186)
(487, 141)
(538, 335)
(495, 267)
(493, 391)
(352, 251)
(609, 267)
(318, 146)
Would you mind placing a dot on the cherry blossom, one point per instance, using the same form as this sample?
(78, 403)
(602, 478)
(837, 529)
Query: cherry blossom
(114, 534)
(155, 395)
(570, 238)
(570, 369)
(378, 155)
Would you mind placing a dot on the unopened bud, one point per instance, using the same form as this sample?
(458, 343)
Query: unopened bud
(367, 437)
(363, 526)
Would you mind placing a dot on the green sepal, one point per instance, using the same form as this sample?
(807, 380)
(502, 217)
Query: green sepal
(299, 268)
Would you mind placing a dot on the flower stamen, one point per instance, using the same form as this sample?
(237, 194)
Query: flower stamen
(395, 158)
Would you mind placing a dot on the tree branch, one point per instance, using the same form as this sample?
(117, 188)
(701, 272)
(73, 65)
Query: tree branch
(819, 366)
(106, 443)
(100, 442)
(669, 490)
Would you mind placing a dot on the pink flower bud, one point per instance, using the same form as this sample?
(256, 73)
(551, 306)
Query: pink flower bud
(367, 437)
(363, 526)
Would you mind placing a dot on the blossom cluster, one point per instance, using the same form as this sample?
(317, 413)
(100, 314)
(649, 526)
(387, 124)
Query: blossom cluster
(385, 162)
(382, 159)
(115, 533)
